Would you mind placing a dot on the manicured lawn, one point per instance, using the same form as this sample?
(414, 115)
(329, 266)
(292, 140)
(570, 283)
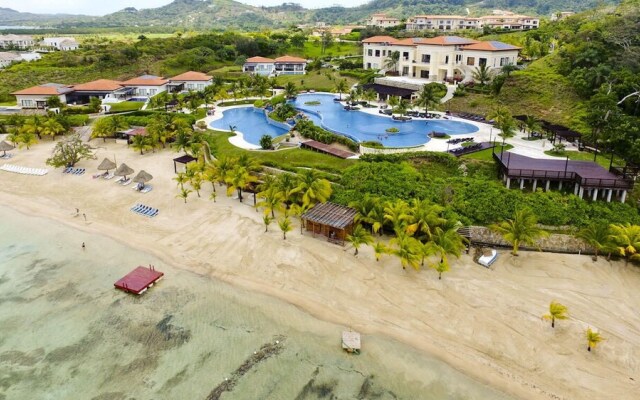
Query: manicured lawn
(323, 80)
(312, 49)
(285, 159)
(8, 103)
(487, 154)
(603, 159)
(126, 106)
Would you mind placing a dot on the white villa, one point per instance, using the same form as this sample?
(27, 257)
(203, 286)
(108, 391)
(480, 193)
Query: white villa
(190, 80)
(37, 96)
(382, 21)
(7, 58)
(285, 65)
(147, 85)
(60, 43)
(16, 41)
(455, 22)
(438, 59)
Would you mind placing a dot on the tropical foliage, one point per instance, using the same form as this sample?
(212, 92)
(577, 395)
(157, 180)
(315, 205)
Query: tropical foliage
(521, 229)
(556, 311)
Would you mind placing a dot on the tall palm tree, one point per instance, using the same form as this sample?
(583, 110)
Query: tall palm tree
(424, 216)
(398, 214)
(596, 235)
(482, 74)
(196, 183)
(408, 249)
(402, 107)
(287, 187)
(379, 249)
(427, 97)
(364, 208)
(184, 193)
(26, 138)
(503, 120)
(358, 237)
(312, 188)
(441, 267)
(238, 179)
(447, 242)
(290, 90)
(141, 143)
(531, 124)
(34, 126)
(181, 178)
(556, 311)
(52, 128)
(341, 87)
(392, 61)
(521, 229)
(271, 200)
(369, 95)
(593, 338)
(267, 221)
(299, 210)
(285, 226)
(224, 165)
(627, 238)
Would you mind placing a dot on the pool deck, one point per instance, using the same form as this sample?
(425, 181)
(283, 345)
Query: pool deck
(485, 133)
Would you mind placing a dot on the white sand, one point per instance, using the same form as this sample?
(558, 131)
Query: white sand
(486, 323)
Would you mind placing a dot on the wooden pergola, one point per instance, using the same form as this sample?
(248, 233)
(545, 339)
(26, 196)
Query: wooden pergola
(186, 159)
(331, 220)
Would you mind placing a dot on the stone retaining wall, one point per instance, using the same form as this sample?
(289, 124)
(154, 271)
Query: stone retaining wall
(554, 243)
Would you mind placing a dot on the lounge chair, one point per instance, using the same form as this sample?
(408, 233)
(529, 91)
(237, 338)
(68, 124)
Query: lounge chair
(126, 182)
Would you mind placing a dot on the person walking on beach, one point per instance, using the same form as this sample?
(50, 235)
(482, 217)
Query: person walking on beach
(85, 217)
(83, 246)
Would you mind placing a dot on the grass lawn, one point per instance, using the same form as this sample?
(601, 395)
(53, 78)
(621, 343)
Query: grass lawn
(603, 159)
(126, 106)
(313, 49)
(285, 159)
(487, 154)
(8, 103)
(323, 80)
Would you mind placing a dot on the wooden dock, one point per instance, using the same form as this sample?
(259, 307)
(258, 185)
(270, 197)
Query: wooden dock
(351, 341)
(139, 280)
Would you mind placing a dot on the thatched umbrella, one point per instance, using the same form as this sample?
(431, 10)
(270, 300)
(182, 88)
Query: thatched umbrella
(106, 165)
(4, 146)
(123, 170)
(143, 177)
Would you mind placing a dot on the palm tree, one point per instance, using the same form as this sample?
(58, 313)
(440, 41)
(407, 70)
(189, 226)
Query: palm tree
(223, 165)
(507, 69)
(213, 196)
(402, 107)
(397, 213)
(341, 87)
(522, 229)
(391, 62)
(427, 97)
(196, 183)
(556, 311)
(184, 193)
(290, 90)
(271, 200)
(34, 126)
(299, 210)
(393, 101)
(141, 143)
(482, 74)
(627, 238)
(424, 217)
(238, 179)
(369, 95)
(441, 267)
(358, 237)
(445, 242)
(503, 120)
(379, 249)
(52, 127)
(408, 249)
(287, 187)
(313, 189)
(26, 138)
(531, 125)
(285, 226)
(267, 221)
(181, 178)
(596, 235)
(593, 338)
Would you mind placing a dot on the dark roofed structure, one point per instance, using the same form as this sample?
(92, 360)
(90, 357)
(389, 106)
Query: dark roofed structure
(385, 91)
(331, 220)
(185, 159)
(327, 149)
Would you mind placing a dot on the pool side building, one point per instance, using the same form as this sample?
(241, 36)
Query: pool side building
(285, 65)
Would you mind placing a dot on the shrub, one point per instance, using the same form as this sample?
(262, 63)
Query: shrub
(266, 142)
(392, 130)
(258, 103)
(311, 131)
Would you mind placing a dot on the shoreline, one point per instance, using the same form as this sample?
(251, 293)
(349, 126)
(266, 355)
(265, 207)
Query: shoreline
(454, 320)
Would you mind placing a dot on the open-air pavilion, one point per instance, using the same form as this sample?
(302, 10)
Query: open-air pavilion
(331, 220)
(184, 160)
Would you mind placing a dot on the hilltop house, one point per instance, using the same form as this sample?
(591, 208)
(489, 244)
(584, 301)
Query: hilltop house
(16, 41)
(37, 96)
(147, 85)
(7, 59)
(285, 65)
(101, 89)
(382, 21)
(60, 43)
(506, 20)
(190, 80)
(437, 59)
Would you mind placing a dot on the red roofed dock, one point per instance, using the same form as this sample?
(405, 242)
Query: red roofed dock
(139, 280)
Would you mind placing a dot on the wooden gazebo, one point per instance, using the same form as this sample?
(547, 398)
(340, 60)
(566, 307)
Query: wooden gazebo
(331, 220)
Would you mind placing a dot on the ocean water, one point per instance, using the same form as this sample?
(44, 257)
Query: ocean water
(66, 333)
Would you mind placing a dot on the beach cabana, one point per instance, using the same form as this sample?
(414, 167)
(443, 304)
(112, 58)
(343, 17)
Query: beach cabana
(186, 159)
(142, 178)
(4, 147)
(106, 165)
(124, 170)
(331, 220)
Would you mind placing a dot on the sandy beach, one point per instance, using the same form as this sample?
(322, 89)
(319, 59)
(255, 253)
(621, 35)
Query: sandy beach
(485, 323)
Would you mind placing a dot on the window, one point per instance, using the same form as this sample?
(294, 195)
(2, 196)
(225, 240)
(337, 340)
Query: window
(27, 103)
(446, 59)
(200, 86)
(482, 61)
(152, 92)
(424, 74)
(384, 53)
(370, 52)
(471, 61)
(377, 53)
(405, 55)
(426, 58)
(458, 58)
(405, 71)
(368, 66)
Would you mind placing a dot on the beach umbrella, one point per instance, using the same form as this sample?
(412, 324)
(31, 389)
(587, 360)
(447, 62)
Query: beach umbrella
(143, 177)
(123, 170)
(4, 146)
(106, 165)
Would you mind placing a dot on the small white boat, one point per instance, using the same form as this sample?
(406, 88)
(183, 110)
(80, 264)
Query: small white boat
(488, 258)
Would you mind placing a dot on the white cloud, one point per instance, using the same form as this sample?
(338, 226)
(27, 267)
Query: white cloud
(98, 7)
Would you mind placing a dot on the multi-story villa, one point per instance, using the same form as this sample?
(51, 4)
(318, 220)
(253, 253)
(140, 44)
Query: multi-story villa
(439, 58)
(382, 21)
(16, 41)
(285, 65)
(455, 22)
(61, 43)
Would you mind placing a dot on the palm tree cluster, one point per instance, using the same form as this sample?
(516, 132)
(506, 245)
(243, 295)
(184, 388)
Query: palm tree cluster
(504, 121)
(558, 311)
(421, 231)
(620, 239)
(521, 229)
(34, 128)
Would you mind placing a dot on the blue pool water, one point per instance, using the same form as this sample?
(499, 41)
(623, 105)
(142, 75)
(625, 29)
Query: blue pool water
(357, 125)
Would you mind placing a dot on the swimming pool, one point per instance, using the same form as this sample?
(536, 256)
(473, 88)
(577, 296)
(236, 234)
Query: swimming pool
(250, 121)
(359, 126)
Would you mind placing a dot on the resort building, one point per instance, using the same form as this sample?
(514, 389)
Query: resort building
(16, 41)
(456, 22)
(147, 85)
(437, 59)
(7, 59)
(382, 21)
(101, 89)
(60, 43)
(190, 80)
(37, 96)
(285, 65)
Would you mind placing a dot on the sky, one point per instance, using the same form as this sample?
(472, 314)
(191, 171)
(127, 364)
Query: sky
(97, 7)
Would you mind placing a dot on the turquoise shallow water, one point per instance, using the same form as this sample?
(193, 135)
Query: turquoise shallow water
(65, 333)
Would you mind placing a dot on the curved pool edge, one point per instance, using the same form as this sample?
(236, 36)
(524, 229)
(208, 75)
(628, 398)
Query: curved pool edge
(237, 140)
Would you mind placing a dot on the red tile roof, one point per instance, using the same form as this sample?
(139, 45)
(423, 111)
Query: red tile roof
(101, 85)
(191, 76)
(447, 41)
(290, 59)
(48, 89)
(146, 80)
(380, 39)
(259, 60)
(491, 46)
